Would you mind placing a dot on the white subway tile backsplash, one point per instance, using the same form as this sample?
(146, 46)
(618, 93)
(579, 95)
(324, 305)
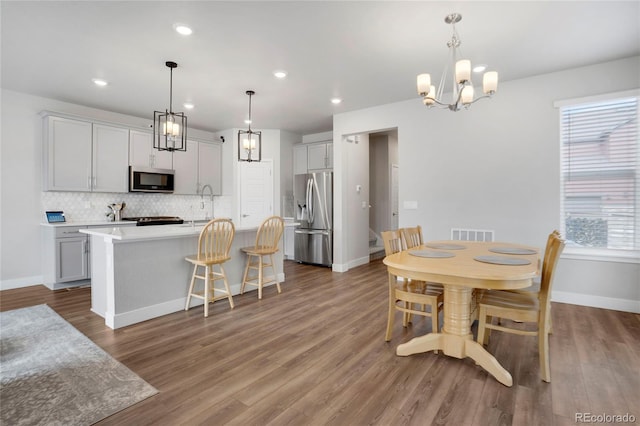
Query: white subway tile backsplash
(90, 206)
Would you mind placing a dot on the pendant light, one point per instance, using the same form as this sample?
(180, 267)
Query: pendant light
(249, 141)
(170, 128)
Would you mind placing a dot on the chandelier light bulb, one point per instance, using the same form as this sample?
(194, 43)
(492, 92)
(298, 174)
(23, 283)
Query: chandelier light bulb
(467, 95)
(463, 71)
(490, 82)
(424, 84)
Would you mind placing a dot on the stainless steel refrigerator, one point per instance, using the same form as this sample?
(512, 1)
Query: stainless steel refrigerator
(313, 199)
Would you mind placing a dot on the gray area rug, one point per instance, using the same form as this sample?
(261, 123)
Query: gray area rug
(51, 374)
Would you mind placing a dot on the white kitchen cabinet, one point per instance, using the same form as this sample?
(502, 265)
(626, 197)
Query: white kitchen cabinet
(210, 166)
(185, 163)
(201, 164)
(320, 156)
(67, 154)
(85, 156)
(110, 159)
(142, 153)
(300, 159)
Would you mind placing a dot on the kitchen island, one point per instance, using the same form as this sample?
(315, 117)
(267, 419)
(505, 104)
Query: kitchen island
(139, 273)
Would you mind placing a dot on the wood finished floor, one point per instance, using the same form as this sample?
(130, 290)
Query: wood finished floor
(316, 355)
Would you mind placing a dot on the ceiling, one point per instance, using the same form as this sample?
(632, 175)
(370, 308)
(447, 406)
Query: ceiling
(367, 53)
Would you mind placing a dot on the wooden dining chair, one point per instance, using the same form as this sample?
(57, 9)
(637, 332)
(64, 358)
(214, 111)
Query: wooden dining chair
(535, 287)
(533, 307)
(214, 245)
(404, 294)
(411, 237)
(267, 239)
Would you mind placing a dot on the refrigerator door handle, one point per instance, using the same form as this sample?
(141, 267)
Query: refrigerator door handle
(310, 206)
(311, 232)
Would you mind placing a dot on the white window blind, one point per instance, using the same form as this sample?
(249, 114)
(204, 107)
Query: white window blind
(600, 174)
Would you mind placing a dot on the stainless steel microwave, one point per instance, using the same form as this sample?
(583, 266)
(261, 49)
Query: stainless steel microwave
(144, 179)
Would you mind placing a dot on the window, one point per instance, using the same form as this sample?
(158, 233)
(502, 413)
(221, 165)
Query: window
(600, 175)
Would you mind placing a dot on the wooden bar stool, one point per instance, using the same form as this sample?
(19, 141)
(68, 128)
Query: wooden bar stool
(267, 239)
(214, 245)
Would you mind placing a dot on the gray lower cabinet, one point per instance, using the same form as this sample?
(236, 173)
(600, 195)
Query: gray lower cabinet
(66, 256)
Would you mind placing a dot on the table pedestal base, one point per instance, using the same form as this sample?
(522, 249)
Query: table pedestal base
(457, 347)
(456, 339)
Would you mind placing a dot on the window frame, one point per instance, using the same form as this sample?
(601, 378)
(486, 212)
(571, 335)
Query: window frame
(598, 253)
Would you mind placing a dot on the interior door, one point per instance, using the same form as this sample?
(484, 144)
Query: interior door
(256, 192)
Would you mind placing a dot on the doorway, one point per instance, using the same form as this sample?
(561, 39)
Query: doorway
(383, 184)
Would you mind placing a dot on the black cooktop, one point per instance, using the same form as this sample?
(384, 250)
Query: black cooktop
(155, 220)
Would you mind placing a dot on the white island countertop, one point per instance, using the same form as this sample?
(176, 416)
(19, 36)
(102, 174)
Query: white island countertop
(158, 232)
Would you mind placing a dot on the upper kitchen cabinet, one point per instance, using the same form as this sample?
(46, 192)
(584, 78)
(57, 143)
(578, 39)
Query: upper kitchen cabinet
(67, 154)
(312, 157)
(84, 156)
(142, 153)
(320, 156)
(200, 165)
(210, 166)
(300, 159)
(185, 163)
(110, 159)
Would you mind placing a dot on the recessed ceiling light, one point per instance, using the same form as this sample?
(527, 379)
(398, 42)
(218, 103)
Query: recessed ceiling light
(99, 82)
(280, 74)
(336, 101)
(188, 105)
(183, 29)
(247, 121)
(479, 68)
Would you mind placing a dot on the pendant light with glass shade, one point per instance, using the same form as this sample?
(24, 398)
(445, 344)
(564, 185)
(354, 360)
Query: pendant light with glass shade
(170, 128)
(249, 141)
(462, 92)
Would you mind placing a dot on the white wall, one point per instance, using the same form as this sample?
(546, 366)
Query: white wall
(495, 166)
(358, 202)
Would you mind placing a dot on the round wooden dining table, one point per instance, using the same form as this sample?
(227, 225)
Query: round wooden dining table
(463, 267)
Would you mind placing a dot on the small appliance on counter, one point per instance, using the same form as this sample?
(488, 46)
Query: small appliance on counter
(116, 211)
(55, 216)
(155, 220)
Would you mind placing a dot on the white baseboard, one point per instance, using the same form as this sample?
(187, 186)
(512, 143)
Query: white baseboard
(339, 267)
(148, 312)
(624, 305)
(344, 267)
(21, 282)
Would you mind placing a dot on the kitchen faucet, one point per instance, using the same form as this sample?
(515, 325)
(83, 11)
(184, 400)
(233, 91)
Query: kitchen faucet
(210, 199)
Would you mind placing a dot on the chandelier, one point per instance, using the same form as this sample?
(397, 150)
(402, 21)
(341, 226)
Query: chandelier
(249, 141)
(170, 128)
(462, 92)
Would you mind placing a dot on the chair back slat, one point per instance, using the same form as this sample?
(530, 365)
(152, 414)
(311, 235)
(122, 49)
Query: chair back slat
(554, 248)
(269, 233)
(392, 242)
(215, 239)
(412, 237)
